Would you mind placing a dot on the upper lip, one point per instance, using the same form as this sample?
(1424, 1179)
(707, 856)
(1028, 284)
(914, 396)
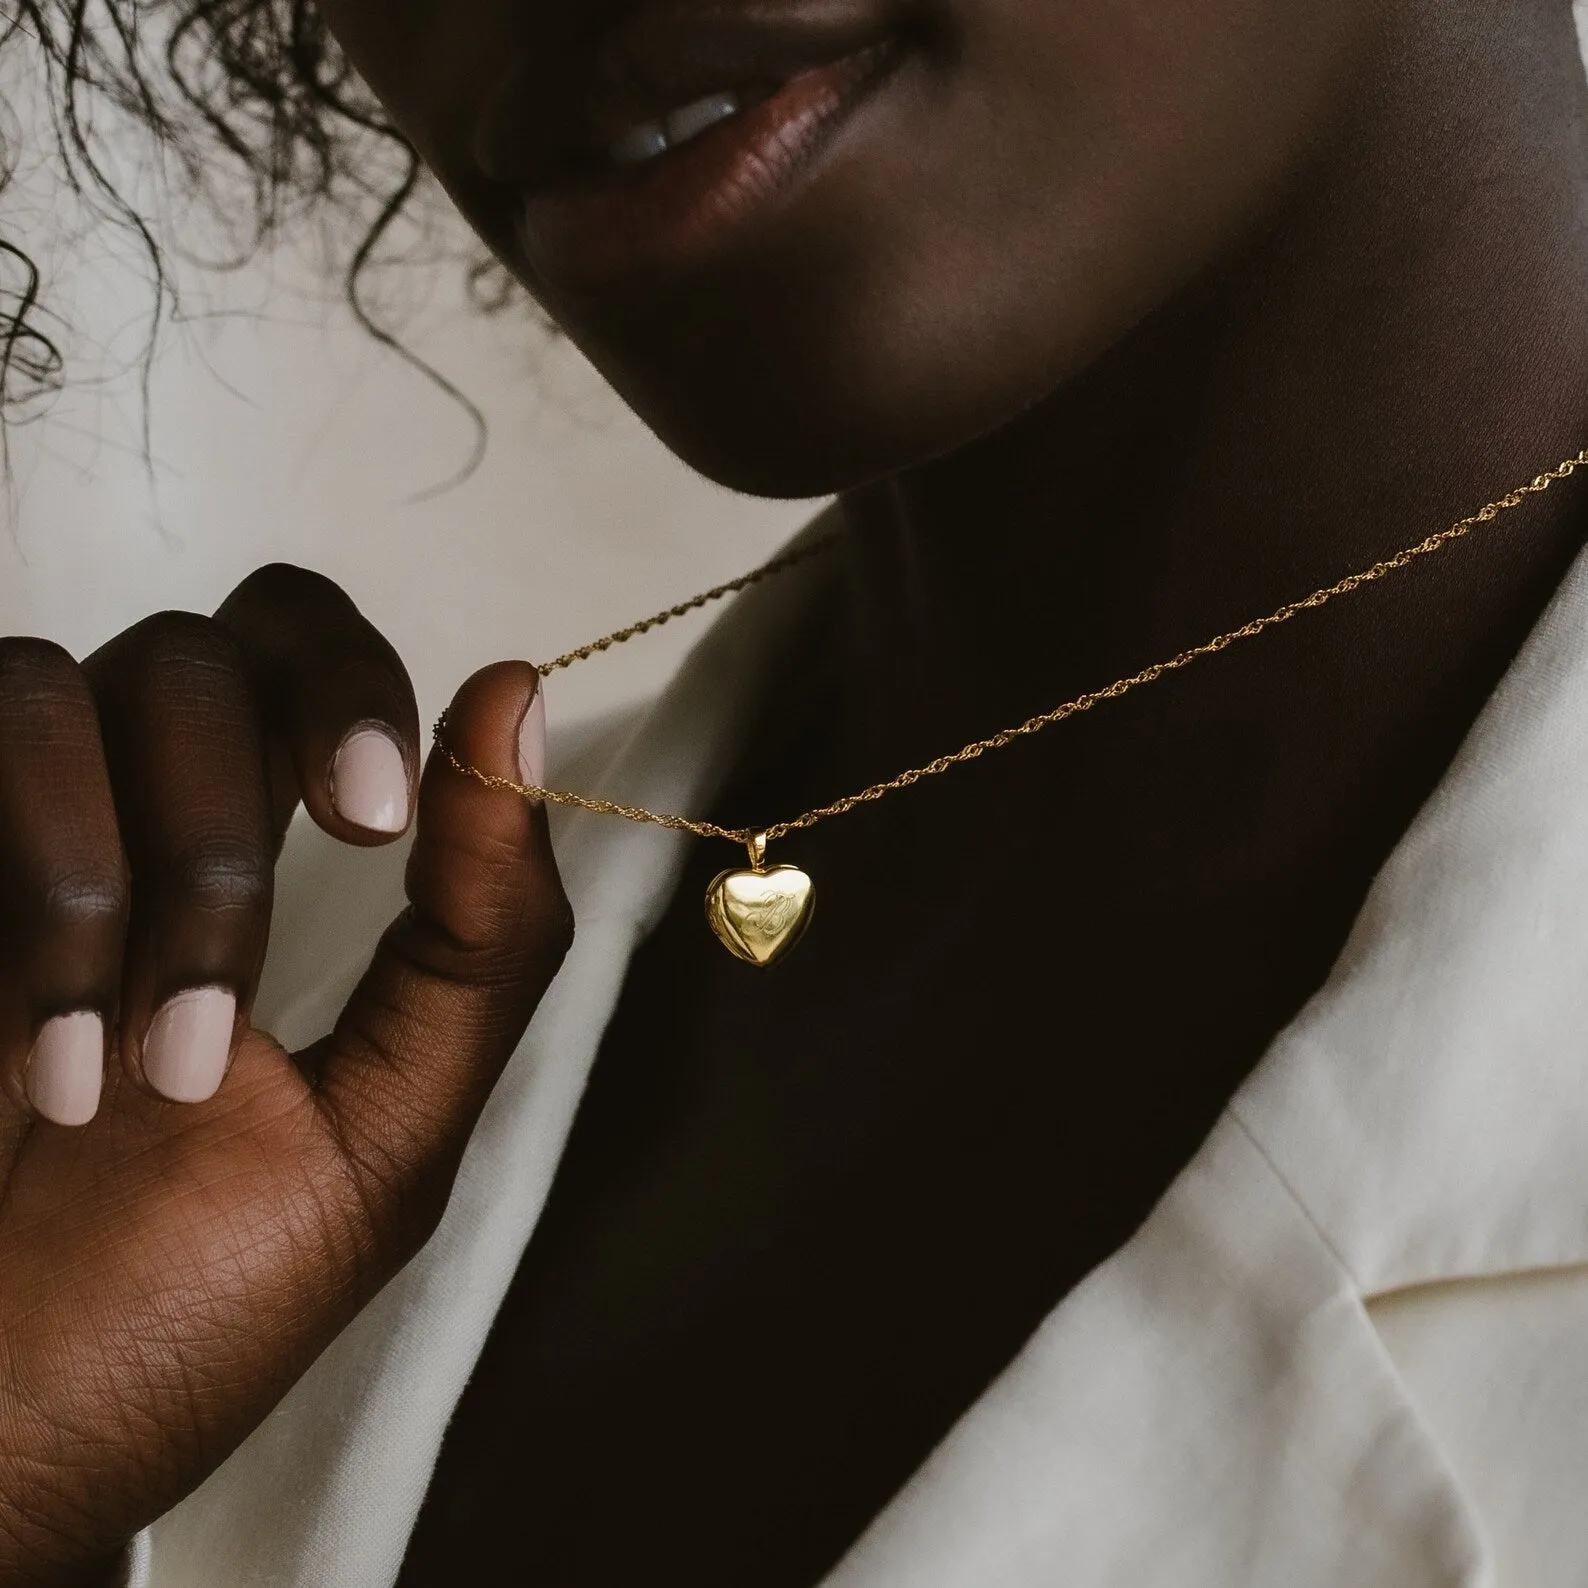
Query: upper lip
(558, 117)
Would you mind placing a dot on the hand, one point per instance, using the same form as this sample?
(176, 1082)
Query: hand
(175, 1252)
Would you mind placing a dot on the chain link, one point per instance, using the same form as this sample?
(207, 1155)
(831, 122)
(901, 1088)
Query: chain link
(971, 752)
(768, 570)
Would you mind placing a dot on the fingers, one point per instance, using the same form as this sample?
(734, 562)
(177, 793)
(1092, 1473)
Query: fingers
(63, 887)
(458, 976)
(143, 798)
(340, 720)
(186, 763)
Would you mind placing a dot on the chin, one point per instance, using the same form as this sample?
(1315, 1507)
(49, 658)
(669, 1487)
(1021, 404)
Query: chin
(811, 398)
(789, 434)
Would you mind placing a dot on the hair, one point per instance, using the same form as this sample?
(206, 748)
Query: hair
(247, 105)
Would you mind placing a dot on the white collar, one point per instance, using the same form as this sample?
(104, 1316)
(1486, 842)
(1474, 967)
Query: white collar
(1211, 1406)
(1430, 1105)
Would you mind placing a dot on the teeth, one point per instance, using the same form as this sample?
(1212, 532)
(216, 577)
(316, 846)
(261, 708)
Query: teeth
(651, 138)
(692, 120)
(640, 144)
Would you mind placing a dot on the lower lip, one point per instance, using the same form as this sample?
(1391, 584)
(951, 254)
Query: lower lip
(680, 209)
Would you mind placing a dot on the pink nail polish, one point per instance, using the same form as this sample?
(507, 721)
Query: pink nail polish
(66, 1069)
(369, 782)
(189, 1045)
(532, 741)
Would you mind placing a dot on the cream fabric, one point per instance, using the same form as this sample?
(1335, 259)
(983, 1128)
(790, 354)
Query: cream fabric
(1350, 1346)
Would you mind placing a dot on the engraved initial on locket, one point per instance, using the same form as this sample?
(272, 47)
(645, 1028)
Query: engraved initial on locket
(760, 914)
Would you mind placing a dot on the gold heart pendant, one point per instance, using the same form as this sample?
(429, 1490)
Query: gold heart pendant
(760, 914)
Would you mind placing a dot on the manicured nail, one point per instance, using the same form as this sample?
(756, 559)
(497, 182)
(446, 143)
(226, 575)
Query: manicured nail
(67, 1069)
(369, 782)
(189, 1045)
(532, 740)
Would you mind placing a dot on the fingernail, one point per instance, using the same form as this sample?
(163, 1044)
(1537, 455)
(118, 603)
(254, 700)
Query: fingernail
(189, 1045)
(369, 782)
(67, 1069)
(532, 740)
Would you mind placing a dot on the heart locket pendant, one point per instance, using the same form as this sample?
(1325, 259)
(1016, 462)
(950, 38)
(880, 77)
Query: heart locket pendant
(760, 914)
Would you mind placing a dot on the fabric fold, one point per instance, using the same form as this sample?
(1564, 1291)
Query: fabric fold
(1210, 1407)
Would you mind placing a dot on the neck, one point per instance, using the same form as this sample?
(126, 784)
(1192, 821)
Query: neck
(1403, 338)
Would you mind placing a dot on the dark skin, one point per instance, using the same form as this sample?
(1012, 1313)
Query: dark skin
(805, 1218)
(1113, 330)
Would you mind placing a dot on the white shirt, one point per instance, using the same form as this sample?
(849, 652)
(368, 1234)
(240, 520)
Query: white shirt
(1349, 1347)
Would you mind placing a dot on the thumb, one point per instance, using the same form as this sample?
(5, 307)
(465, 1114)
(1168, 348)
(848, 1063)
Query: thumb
(457, 976)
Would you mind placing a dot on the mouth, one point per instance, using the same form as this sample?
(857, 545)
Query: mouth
(650, 140)
(703, 132)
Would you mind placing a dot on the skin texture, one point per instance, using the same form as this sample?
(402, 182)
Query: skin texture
(1115, 325)
(171, 1270)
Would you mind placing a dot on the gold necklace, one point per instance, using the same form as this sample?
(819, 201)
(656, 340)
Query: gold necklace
(761, 913)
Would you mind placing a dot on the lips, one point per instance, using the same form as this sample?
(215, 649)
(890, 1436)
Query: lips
(691, 124)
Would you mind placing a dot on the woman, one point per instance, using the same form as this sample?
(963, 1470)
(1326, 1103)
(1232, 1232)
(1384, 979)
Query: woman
(1113, 326)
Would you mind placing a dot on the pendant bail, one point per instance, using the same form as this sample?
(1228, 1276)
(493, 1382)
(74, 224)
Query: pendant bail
(756, 844)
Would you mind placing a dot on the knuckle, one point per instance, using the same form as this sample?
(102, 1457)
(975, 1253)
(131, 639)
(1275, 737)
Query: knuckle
(32, 666)
(224, 877)
(173, 662)
(168, 640)
(309, 634)
(499, 938)
(286, 584)
(86, 899)
(280, 600)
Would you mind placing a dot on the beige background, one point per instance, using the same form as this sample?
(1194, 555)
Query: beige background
(280, 431)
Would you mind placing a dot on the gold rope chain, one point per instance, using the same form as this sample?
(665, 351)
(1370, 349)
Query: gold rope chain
(971, 752)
